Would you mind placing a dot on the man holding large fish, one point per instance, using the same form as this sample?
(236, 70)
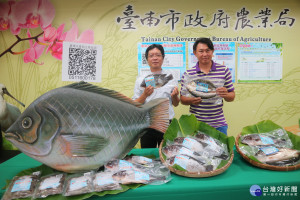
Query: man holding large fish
(155, 84)
(204, 86)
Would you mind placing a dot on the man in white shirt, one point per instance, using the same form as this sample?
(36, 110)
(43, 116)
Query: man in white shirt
(167, 88)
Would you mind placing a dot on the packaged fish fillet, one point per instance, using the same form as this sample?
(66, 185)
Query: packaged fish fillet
(123, 169)
(278, 138)
(132, 176)
(78, 184)
(22, 187)
(204, 88)
(175, 149)
(104, 181)
(190, 143)
(119, 165)
(160, 172)
(213, 147)
(273, 148)
(146, 162)
(156, 80)
(50, 185)
(273, 155)
(189, 164)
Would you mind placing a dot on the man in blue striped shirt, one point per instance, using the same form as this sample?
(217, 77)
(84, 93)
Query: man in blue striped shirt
(209, 110)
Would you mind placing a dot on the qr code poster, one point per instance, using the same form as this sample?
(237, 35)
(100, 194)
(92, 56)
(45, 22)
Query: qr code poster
(81, 62)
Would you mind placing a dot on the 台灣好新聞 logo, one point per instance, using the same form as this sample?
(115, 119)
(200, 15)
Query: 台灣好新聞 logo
(255, 190)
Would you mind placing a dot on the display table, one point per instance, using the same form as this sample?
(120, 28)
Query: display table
(234, 183)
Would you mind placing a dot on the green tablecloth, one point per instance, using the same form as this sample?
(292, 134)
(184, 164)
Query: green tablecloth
(234, 183)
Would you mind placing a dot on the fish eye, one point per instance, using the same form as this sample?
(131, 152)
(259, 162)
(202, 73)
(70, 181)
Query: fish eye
(26, 122)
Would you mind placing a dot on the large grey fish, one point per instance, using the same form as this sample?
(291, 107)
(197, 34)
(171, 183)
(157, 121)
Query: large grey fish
(160, 79)
(282, 156)
(81, 126)
(202, 88)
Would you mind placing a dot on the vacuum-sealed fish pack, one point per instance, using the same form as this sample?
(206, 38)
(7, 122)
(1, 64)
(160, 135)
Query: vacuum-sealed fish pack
(50, 185)
(204, 88)
(22, 186)
(156, 80)
(272, 148)
(119, 165)
(78, 184)
(190, 143)
(141, 160)
(178, 149)
(192, 148)
(104, 181)
(198, 153)
(189, 164)
(278, 156)
(131, 176)
(278, 138)
(129, 171)
(212, 147)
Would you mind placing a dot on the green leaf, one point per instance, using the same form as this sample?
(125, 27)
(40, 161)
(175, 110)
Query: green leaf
(189, 125)
(263, 127)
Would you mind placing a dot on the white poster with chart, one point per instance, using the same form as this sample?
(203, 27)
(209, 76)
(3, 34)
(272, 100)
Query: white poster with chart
(259, 62)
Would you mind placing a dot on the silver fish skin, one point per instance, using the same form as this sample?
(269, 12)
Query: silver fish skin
(140, 160)
(282, 157)
(212, 147)
(81, 127)
(201, 91)
(256, 140)
(132, 176)
(190, 143)
(188, 163)
(160, 79)
(118, 165)
(175, 149)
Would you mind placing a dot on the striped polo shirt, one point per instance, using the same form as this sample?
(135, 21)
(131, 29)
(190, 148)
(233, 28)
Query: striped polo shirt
(210, 110)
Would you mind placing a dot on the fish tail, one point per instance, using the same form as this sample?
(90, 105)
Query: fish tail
(159, 114)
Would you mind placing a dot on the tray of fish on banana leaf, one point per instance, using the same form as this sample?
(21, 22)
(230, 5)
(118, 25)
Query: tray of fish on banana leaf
(194, 149)
(267, 145)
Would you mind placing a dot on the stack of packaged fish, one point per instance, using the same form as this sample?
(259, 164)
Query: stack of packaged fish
(198, 153)
(133, 169)
(272, 148)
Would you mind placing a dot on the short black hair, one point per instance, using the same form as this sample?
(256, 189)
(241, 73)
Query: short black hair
(153, 46)
(203, 40)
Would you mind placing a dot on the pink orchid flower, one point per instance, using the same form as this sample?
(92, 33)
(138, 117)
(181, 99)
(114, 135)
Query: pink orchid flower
(6, 19)
(32, 14)
(85, 37)
(56, 47)
(34, 52)
(50, 34)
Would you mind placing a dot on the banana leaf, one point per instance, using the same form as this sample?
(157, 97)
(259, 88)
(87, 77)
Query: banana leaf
(188, 125)
(264, 127)
(45, 170)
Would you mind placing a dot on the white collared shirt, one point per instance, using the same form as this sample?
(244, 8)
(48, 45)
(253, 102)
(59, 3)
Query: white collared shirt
(161, 92)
